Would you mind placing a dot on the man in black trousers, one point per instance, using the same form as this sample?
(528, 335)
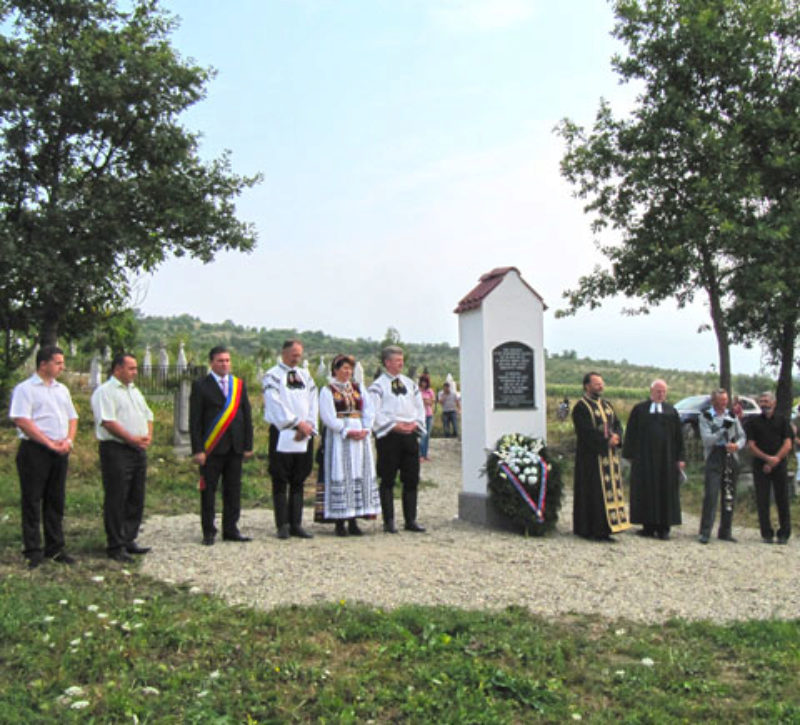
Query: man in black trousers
(46, 420)
(221, 429)
(124, 429)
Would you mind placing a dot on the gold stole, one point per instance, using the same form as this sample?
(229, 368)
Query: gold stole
(609, 464)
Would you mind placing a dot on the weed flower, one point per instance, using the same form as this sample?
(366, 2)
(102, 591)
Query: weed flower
(150, 691)
(74, 691)
(92, 608)
(202, 693)
(125, 572)
(48, 618)
(79, 705)
(98, 578)
(647, 662)
(63, 602)
(138, 601)
(74, 643)
(102, 615)
(214, 675)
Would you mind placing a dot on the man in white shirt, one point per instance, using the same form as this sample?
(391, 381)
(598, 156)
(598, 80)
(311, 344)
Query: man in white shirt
(399, 422)
(124, 429)
(46, 421)
(723, 437)
(290, 407)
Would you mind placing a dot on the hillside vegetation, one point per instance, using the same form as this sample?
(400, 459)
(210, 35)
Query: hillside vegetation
(258, 347)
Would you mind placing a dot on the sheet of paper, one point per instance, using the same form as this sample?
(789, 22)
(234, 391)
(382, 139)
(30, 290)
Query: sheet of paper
(287, 443)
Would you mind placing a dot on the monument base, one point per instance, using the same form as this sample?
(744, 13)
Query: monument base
(476, 508)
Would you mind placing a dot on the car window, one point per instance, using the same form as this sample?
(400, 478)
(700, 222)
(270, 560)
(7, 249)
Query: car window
(748, 405)
(693, 402)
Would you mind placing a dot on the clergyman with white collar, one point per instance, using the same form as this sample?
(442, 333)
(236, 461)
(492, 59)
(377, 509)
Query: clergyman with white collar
(654, 445)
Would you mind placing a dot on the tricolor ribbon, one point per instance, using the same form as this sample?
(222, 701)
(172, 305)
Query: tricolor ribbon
(537, 508)
(222, 422)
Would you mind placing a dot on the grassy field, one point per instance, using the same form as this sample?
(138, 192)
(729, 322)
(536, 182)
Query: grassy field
(97, 643)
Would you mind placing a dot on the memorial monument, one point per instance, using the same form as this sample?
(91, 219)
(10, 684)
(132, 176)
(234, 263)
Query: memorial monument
(501, 354)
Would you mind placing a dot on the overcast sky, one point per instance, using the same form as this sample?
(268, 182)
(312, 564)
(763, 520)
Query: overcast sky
(407, 148)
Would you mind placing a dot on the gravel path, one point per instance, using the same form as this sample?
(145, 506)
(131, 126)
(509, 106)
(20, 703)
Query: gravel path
(463, 565)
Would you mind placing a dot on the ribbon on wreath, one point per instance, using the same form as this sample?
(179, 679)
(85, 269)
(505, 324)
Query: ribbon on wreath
(536, 507)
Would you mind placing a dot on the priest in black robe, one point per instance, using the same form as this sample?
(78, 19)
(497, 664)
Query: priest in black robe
(654, 445)
(598, 507)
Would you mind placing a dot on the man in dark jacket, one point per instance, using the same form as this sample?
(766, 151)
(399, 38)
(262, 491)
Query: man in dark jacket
(221, 429)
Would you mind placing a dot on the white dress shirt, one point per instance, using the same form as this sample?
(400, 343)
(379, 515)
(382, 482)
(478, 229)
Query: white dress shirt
(48, 406)
(124, 404)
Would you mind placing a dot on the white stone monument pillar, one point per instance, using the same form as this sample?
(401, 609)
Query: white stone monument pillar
(501, 352)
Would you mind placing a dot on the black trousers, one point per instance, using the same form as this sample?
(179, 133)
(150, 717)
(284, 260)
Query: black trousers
(124, 471)
(228, 467)
(42, 482)
(765, 483)
(289, 472)
(398, 453)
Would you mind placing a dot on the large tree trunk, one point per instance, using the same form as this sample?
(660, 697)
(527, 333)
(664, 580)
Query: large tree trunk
(784, 390)
(48, 334)
(723, 341)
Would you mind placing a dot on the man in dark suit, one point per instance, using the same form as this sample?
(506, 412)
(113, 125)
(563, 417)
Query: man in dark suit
(221, 430)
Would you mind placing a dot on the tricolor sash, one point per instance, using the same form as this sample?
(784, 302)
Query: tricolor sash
(609, 465)
(223, 421)
(536, 506)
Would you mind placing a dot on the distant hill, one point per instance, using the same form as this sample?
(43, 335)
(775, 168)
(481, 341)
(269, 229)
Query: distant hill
(260, 346)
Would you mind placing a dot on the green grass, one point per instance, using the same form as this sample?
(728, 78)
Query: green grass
(139, 648)
(144, 651)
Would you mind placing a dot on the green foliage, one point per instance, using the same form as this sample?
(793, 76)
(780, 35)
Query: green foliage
(98, 179)
(701, 178)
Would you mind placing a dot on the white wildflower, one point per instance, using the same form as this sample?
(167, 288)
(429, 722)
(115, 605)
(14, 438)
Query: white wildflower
(214, 675)
(98, 578)
(150, 691)
(92, 608)
(74, 643)
(138, 601)
(74, 691)
(48, 618)
(79, 705)
(647, 662)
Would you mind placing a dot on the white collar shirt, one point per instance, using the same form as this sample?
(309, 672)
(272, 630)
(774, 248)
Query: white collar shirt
(392, 408)
(284, 406)
(48, 406)
(116, 402)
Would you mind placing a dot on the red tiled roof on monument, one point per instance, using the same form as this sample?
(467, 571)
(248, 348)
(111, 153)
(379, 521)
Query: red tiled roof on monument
(487, 283)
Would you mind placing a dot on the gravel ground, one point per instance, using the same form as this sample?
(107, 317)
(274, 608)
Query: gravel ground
(459, 564)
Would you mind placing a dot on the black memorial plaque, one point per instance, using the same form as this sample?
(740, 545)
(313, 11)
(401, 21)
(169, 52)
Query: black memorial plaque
(512, 371)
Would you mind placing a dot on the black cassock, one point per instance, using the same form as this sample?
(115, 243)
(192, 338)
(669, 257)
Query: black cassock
(589, 518)
(654, 444)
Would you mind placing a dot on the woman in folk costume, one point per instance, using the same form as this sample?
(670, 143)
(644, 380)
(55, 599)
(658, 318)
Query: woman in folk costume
(350, 490)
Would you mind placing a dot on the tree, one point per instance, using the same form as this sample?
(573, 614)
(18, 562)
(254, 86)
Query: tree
(97, 178)
(683, 178)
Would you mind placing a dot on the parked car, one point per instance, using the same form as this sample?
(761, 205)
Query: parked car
(689, 410)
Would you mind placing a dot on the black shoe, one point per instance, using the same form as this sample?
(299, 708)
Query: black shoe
(389, 527)
(767, 540)
(300, 533)
(645, 533)
(415, 527)
(283, 531)
(208, 540)
(63, 558)
(34, 560)
(728, 538)
(605, 539)
(703, 539)
(663, 535)
(120, 556)
(134, 548)
(340, 529)
(352, 528)
(782, 540)
(241, 538)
